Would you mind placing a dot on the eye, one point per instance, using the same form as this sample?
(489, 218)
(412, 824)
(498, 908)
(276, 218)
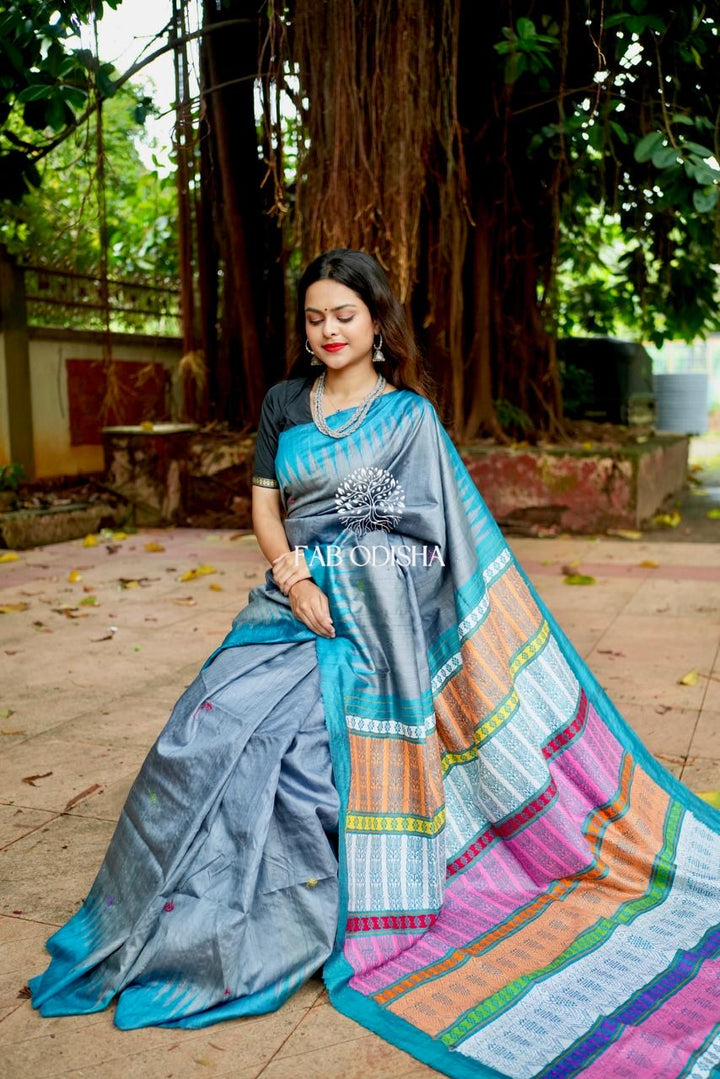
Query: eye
(314, 321)
(347, 318)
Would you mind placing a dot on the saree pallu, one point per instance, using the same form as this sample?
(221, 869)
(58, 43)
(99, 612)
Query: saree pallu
(522, 891)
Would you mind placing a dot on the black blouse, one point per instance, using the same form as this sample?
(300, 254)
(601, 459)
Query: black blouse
(285, 404)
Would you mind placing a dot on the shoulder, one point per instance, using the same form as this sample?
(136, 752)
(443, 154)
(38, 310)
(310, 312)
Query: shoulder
(285, 390)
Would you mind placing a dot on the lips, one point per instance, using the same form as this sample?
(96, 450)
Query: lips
(333, 348)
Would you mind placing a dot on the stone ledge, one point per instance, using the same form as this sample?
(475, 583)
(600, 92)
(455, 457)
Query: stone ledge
(571, 489)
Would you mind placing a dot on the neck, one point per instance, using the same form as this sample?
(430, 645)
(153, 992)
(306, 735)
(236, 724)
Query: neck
(350, 382)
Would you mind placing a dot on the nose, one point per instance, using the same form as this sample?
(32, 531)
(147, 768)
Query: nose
(330, 326)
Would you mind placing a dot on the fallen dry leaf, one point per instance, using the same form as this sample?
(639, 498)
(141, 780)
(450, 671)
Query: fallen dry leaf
(79, 797)
(609, 652)
(8, 732)
(9, 556)
(663, 708)
(30, 780)
(579, 578)
(689, 679)
(74, 575)
(89, 601)
(624, 533)
(154, 547)
(107, 637)
(69, 612)
(649, 564)
(185, 601)
(6, 713)
(25, 992)
(136, 582)
(10, 608)
(198, 571)
(215, 587)
(89, 541)
(667, 520)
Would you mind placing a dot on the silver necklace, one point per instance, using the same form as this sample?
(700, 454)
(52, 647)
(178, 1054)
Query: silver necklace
(358, 415)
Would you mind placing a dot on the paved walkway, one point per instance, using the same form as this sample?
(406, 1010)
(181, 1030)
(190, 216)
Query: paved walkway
(85, 689)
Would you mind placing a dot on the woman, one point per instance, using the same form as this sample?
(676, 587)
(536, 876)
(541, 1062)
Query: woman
(522, 889)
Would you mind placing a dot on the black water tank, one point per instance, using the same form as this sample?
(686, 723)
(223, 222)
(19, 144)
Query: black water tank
(606, 380)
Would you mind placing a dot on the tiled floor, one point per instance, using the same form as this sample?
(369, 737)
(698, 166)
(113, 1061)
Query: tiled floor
(82, 699)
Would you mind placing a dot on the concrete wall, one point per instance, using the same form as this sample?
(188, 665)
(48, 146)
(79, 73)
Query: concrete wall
(54, 455)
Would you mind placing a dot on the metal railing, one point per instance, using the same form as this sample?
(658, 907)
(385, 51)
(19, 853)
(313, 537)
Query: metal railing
(67, 300)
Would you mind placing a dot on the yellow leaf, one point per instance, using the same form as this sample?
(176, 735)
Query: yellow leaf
(588, 445)
(152, 546)
(10, 608)
(690, 679)
(714, 514)
(713, 797)
(215, 587)
(625, 533)
(74, 575)
(579, 578)
(199, 571)
(119, 535)
(89, 541)
(649, 564)
(9, 556)
(668, 520)
(89, 601)
(147, 425)
(129, 584)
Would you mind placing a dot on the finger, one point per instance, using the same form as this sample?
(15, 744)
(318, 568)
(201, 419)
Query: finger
(310, 619)
(323, 619)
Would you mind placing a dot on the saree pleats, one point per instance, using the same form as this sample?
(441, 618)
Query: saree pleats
(224, 843)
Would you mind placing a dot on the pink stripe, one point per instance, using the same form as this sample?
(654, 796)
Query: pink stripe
(661, 1046)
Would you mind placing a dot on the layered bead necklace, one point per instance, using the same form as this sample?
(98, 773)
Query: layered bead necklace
(358, 415)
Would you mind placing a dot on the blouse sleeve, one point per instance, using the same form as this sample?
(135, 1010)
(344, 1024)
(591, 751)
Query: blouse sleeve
(267, 442)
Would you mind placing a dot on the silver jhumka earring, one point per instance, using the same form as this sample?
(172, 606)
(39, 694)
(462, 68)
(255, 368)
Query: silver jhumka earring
(378, 355)
(314, 362)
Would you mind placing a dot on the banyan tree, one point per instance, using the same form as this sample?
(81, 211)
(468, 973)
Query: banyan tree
(520, 168)
(466, 146)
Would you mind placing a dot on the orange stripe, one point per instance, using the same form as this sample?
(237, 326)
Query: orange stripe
(628, 856)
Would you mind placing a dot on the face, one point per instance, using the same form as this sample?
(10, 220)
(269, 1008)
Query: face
(338, 325)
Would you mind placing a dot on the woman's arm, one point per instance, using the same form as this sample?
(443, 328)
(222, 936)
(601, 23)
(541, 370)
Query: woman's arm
(267, 522)
(307, 602)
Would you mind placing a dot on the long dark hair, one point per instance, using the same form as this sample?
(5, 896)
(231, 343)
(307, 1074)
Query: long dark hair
(365, 276)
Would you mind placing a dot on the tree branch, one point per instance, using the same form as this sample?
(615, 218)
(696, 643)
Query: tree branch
(42, 151)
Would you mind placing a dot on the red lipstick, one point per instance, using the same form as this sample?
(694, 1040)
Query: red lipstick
(334, 347)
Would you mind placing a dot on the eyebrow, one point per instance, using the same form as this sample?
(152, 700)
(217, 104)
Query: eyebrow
(338, 308)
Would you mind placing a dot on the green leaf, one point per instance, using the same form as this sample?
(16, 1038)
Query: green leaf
(705, 199)
(525, 28)
(701, 151)
(620, 132)
(647, 146)
(38, 91)
(664, 156)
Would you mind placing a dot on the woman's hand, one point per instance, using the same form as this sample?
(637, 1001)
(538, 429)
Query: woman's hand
(310, 604)
(288, 568)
